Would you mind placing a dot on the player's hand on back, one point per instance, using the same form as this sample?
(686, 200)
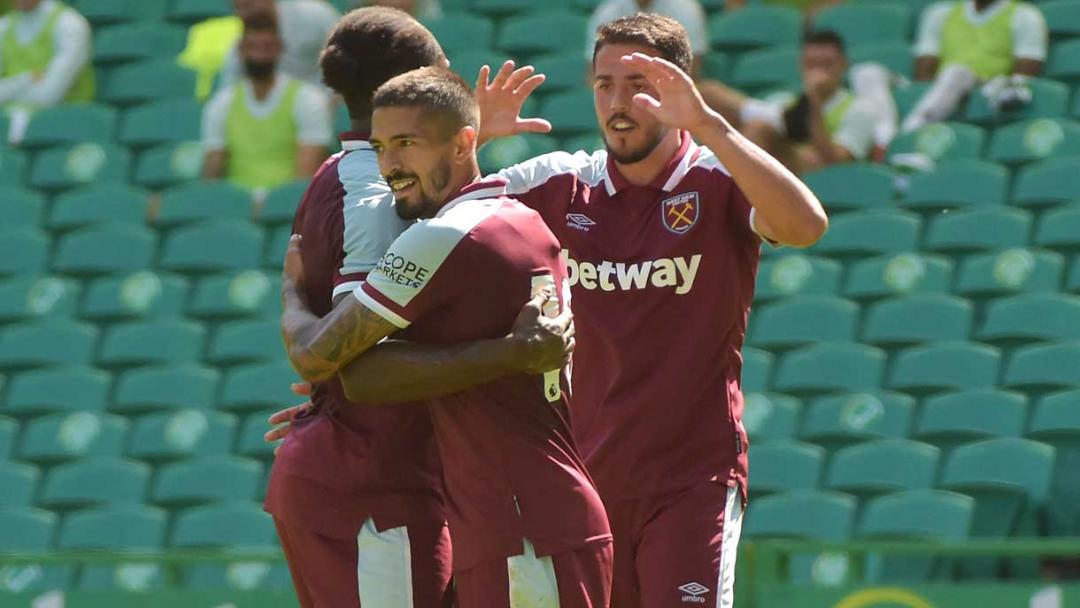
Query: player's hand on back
(544, 343)
(677, 103)
(501, 99)
(293, 269)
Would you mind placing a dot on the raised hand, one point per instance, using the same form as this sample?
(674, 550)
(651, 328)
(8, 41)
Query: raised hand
(282, 420)
(293, 269)
(680, 105)
(501, 100)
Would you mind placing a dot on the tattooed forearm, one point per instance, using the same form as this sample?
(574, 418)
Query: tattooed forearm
(319, 347)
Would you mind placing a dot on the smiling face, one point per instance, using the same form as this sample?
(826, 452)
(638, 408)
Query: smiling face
(630, 133)
(415, 158)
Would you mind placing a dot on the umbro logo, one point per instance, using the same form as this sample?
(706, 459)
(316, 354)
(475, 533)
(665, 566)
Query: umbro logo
(693, 593)
(579, 221)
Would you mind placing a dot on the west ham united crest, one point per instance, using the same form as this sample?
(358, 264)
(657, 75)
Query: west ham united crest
(680, 213)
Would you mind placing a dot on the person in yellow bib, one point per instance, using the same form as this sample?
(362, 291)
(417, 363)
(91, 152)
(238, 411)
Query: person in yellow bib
(962, 43)
(826, 124)
(269, 128)
(44, 57)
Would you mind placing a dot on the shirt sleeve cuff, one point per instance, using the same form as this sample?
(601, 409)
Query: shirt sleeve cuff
(754, 229)
(371, 302)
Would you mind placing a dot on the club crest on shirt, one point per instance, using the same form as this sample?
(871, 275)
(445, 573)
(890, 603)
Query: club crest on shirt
(680, 213)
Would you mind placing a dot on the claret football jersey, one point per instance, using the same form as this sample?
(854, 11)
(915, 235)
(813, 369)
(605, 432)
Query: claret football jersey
(662, 277)
(511, 469)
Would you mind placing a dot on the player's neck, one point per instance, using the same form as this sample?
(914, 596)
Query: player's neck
(261, 86)
(982, 5)
(645, 170)
(460, 177)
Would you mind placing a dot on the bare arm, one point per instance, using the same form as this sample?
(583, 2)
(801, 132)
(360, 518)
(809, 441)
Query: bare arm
(1028, 67)
(308, 159)
(925, 67)
(214, 164)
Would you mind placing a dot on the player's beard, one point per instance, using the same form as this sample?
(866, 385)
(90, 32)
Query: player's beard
(427, 204)
(653, 137)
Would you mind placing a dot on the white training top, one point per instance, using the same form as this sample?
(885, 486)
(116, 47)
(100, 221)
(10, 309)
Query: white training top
(1028, 27)
(71, 39)
(314, 123)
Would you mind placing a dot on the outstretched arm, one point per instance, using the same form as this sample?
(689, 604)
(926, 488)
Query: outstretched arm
(786, 211)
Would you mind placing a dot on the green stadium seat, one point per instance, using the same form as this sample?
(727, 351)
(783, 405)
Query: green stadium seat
(72, 436)
(1062, 18)
(958, 183)
(19, 481)
(1049, 182)
(30, 297)
(209, 478)
(204, 200)
(804, 319)
(1035, 140)
(281, 203)
(781, 466)
(95, 481)
(807, 514)
(276, 246)
(143, 125)
(119, 203)
(250, 293)
(233, 525)
(70, 123)
(1010, 271)
(767, 416)
(853, 185)
(818, 368)
(12, 167)
(1059, 228)
(138, 41)
(979, 229)
(47, 342)
(1049, 100)
(116, 527)
(507, 151)
(943, 366)
(882, 466)
(1030, 317)
(901, 274)
(152, 341)
(165, 387)
(570, 112)
(753, 27)
(870, 233)
(563, 70)
(182, 434)
(796, 274)
(716, 66)
(103, 12)
(129, 577)
(839, 420)
(511, 7)
(169, 164)
(916, 514)
(58, 389)
(772, 67)
(245, 341)
(866, 23)
(918, 318)
(22, 207)
(141, 294)
(147, 80)
(258, 385)
(542, 32)
(894, 55)
(25, 529)
(468, 61)
(952, 419)
(1039, 367)
(23, 250)
(214, 246)
(9, 429)
(193, 11)
(756, 368)
(78, 164)
(106, 248)
(239, 576)
(1063, 64)
(1056, 421)
(457, 31)
(942, 141)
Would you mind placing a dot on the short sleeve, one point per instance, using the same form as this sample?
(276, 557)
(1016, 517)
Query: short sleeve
(546, 182)
(928, 39)
(215, 114)
(856, 133)
(313, 119)
(1029, 33)
(426, 266)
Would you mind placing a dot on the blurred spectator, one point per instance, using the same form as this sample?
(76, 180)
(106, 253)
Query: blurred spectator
(420, 9)
(44, 58)
(304, 25)
(962, 43)
(810, 7)
(825, 125)
(268, 128)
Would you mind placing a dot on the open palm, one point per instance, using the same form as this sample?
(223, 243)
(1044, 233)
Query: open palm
(679, 105)
(501, 101)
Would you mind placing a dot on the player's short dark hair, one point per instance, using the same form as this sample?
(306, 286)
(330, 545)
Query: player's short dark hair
(369, 46)
(664, 34)
(438, 91)
(261, 21)
(824, 37)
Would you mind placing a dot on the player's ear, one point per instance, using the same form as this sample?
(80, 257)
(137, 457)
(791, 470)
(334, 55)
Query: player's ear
(465, 142)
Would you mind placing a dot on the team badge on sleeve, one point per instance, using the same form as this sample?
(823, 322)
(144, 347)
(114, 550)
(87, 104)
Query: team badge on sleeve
(680, 213)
